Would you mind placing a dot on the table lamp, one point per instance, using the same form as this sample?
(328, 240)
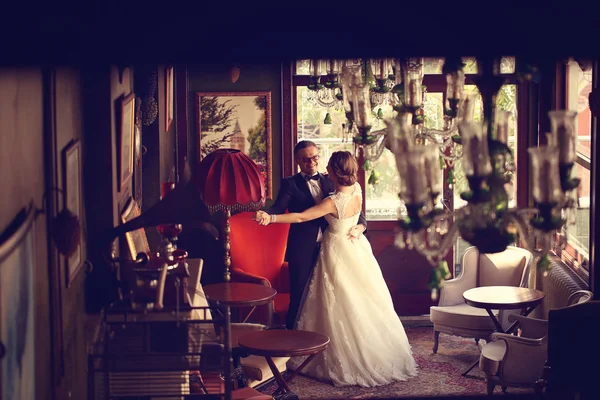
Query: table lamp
(230, 182)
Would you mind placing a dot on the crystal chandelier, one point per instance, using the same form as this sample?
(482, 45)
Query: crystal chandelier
(486, 222)
(399, 83)
(324, 88)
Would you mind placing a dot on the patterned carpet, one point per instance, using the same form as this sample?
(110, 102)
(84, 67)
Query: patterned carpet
(439, 374)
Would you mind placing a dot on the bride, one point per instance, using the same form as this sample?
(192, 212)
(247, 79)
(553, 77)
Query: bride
(347, 298)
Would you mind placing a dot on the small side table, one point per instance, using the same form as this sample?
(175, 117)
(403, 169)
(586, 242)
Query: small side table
(284, 343)
(235, 294)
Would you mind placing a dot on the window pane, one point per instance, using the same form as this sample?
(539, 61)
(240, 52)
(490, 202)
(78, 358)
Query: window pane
(578, 235)
(302, 67)
(382, 199)
(433, 65)
(312, 126)
(311, 118)
(579, 86)
(470, 65)
(507, 65)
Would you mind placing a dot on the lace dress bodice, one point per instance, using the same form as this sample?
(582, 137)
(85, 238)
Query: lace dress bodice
(343, 223)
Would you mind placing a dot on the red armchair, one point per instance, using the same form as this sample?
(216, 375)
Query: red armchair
(257, 256)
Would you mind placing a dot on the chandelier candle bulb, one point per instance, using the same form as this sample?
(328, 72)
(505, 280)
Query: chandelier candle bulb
(502, 126)
(566, 146)
(316, 67)
(468, 109)
(562, 124)
(432, 169)
(545, 176)
(398, 74)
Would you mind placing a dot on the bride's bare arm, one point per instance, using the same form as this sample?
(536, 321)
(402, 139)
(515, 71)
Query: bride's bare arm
(325, 207)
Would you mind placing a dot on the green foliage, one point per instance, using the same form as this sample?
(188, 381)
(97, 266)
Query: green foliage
(260, 102)
(257, 137)
(216, 117)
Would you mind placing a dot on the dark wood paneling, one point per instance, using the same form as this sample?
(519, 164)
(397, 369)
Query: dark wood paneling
(406, 272)
(288, 104)
(68, 118)
(181, 116)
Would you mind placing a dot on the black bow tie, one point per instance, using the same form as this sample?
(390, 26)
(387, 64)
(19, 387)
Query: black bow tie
(314, 177)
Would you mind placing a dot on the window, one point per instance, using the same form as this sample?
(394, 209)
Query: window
(578, 88)
(381, 200)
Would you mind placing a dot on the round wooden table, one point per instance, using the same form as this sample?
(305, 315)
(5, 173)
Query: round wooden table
(235, 294)
(284, 343)
(503, 298)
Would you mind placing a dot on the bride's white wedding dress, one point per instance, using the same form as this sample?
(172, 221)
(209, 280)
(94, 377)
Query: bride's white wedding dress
(348, 300)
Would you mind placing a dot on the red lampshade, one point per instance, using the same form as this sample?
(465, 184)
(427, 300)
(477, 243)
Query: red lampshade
(229, 180)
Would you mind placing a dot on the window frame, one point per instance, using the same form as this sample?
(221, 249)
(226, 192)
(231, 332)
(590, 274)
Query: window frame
(570, 255)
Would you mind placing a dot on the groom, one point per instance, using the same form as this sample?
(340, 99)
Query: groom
(296, 194)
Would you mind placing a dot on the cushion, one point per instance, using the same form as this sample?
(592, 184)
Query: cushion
(502, 269)
(241, 328)
(491, 356)
(258, 250)
(256, 367)
(462, 316)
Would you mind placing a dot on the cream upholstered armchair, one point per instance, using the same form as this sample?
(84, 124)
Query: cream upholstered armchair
(519, 361)
(454, 317)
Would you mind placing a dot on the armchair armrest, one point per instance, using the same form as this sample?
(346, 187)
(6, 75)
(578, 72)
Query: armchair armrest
(262, 314)
(524, 358)
(453, 289)
(530, 327)
(239, 275)
(517, 340)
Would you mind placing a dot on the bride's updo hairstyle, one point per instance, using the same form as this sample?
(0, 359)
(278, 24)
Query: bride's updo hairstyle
(344, 166)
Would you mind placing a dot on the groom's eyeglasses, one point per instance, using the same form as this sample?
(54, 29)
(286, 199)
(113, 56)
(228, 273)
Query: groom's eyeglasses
(308, 160)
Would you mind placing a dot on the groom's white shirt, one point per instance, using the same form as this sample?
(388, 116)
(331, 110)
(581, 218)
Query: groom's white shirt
(317, 194)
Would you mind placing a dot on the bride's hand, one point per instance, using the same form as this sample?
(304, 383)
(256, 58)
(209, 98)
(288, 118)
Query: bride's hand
(355, 232)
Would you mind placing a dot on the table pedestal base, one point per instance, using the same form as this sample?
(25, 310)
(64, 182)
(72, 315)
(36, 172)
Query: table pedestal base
(283, 383)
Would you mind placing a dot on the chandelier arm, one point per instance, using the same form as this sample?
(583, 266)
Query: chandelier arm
(444, 135)
(526, 231)
(326, 104)
(436, 254)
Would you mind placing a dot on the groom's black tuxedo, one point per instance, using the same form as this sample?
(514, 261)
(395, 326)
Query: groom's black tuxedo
(302, 247)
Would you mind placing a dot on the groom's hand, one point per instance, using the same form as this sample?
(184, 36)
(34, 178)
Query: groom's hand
(355, 232)
(262, 218)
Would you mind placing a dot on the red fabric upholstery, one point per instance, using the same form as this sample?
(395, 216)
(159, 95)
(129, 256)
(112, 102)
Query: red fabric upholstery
(258, 252)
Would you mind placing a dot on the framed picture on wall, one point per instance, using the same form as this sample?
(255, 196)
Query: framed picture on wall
(126, 137)
(169, 97)
(238, 120)
(137, 242)
(72, 190)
